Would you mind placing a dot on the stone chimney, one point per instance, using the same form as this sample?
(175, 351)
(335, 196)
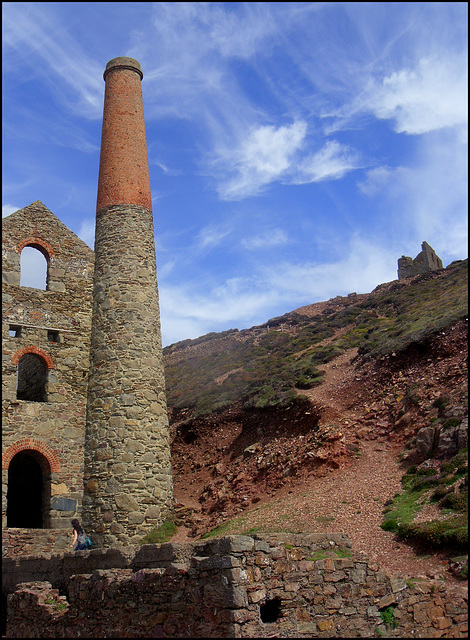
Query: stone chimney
(128, 483)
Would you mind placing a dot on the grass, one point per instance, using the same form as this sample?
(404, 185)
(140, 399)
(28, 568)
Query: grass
(269, 369)
(340, 552)
(448, 489)
(161, 534)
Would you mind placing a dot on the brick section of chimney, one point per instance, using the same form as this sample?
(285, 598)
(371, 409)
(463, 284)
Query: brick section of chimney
(123, 174)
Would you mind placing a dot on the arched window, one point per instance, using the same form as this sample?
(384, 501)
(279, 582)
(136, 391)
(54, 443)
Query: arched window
(33, 265)
(29, 490)
(31, 378)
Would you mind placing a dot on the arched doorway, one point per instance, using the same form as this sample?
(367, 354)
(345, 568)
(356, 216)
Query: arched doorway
(29, 486)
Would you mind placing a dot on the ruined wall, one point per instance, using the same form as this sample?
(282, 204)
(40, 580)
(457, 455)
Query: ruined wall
(425, 261)
(52, 326)
(290, 585)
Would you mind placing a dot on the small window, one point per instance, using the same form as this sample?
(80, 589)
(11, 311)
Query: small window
(52, 336)
(14, 331)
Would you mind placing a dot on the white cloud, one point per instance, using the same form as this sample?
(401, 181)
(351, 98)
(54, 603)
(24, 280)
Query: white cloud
(431, 96)
(8, 208)
(244, 302)
(362, 266)
(269, 154)
(264, 156)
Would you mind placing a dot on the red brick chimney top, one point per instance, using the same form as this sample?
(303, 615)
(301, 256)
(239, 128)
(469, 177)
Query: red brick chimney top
(124, 173)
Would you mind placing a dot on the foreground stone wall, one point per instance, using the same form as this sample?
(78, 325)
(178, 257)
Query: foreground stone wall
(238, 586)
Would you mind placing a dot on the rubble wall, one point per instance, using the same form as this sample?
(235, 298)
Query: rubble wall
(283, 585)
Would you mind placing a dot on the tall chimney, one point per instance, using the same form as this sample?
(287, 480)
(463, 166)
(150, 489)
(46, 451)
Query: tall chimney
(128, 483)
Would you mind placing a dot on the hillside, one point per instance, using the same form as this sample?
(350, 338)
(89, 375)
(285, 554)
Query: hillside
(349, 415)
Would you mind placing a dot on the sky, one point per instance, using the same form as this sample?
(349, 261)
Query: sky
(296, 150)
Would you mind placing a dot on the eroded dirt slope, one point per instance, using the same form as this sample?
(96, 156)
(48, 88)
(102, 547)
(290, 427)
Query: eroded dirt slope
(330, 462)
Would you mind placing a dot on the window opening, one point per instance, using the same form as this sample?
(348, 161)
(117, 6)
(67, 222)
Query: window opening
(270, 611)
(52, 336)
(14, 331)
(29, 486)
(31, 378)
(33, 267)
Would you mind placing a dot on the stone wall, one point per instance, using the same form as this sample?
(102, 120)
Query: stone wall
(238, 586)
(18, 543)
(53, 327)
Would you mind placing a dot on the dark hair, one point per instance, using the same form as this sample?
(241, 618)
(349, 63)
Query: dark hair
(76, 526)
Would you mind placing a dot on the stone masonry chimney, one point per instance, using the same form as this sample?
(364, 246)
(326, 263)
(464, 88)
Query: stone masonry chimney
(128, 483)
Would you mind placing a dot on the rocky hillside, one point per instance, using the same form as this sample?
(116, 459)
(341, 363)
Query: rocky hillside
(260, 417)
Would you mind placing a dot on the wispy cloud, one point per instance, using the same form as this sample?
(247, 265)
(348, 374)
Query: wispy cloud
(211, 236)
(331, 162)
(270, 238)
(37, 37)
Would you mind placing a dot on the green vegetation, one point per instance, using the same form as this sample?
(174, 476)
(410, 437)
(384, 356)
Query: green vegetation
(271, 368)
(161, 534)
(388, 616)
(447, 487)
(339, 552)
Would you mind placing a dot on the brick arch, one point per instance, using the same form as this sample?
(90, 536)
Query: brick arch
(36, 445)
(39, 244)
(37, 351)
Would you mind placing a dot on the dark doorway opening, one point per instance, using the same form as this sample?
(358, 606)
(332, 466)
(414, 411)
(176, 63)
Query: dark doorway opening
(28, 488)
(270, 611)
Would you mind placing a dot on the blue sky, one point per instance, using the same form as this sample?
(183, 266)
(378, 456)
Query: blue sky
(296, 150)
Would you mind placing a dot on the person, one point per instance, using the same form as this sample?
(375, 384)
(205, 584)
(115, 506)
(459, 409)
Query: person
(79, 536)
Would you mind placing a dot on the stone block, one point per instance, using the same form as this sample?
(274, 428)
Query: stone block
(60, 503)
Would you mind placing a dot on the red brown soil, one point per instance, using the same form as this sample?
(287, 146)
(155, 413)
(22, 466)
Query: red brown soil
(329, 464)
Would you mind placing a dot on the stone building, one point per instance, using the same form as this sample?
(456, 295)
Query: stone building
(425, 261)
(85, 426)
(46, 339)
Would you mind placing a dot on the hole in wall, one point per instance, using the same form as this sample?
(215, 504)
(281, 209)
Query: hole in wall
(270, 611)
